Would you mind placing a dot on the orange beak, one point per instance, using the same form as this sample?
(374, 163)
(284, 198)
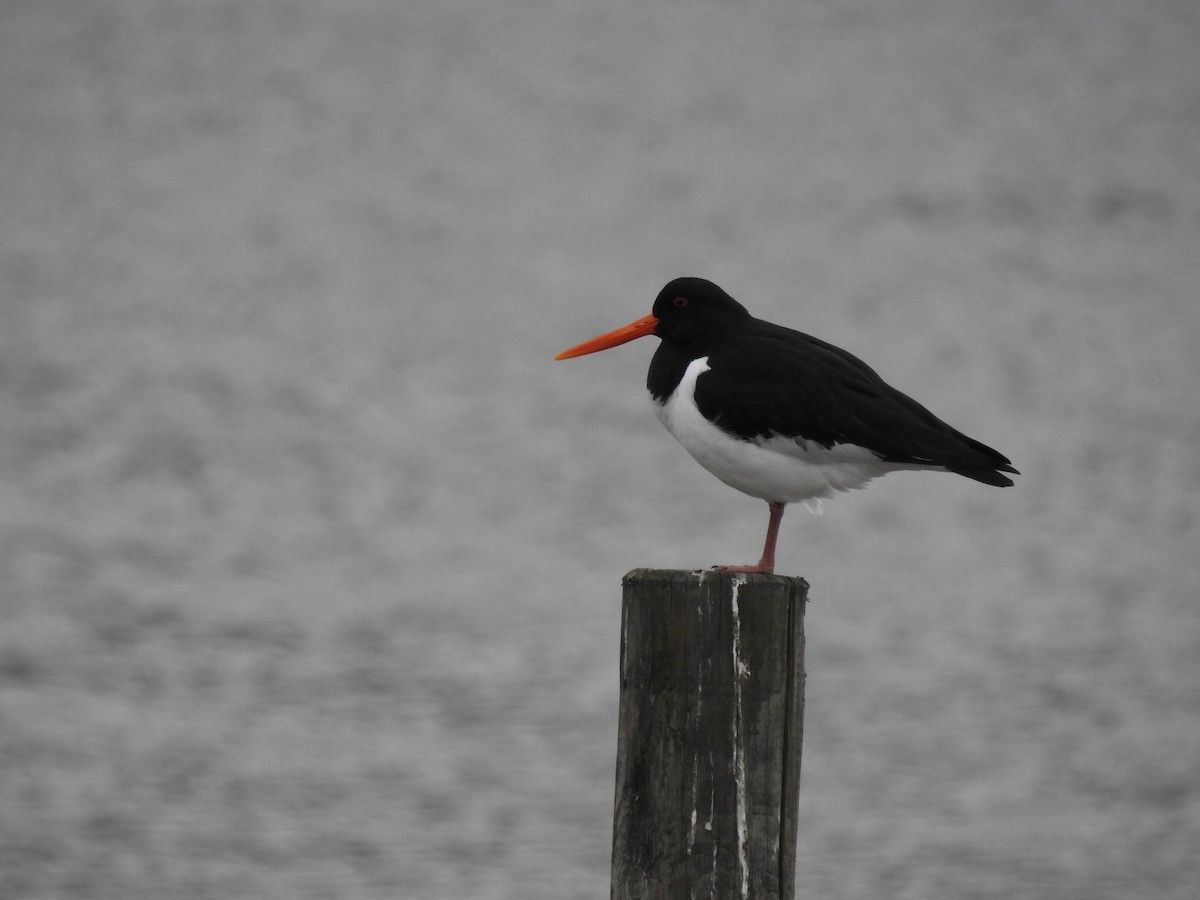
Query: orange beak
(633, 330)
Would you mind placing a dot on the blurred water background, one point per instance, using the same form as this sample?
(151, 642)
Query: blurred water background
(310, 554)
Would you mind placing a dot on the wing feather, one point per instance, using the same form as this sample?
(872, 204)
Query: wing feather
(776, 381)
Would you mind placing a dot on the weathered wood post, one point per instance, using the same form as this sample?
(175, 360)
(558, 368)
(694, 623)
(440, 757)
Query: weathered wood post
(709, 736)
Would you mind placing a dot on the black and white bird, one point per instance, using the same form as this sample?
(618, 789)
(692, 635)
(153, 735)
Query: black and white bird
(781, 415)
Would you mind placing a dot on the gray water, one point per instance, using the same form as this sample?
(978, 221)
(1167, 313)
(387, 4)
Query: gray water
(310, 554)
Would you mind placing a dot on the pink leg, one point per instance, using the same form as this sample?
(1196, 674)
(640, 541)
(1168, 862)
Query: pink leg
(767, 563)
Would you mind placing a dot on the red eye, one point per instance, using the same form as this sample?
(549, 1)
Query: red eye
(681, 302)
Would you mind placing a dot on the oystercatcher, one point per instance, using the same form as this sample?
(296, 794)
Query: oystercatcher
(781, 415)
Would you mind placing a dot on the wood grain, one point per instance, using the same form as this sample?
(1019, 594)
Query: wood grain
(709, 737)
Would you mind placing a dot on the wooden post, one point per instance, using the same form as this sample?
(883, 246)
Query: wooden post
(709, 737)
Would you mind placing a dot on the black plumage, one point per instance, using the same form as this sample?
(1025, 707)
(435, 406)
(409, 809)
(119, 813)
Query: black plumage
(766, 380)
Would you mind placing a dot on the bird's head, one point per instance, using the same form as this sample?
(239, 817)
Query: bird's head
(686, 311)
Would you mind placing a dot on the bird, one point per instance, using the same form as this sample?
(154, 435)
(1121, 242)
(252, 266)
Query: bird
(781, 415)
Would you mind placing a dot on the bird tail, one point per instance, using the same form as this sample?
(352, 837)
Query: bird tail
(987, 476)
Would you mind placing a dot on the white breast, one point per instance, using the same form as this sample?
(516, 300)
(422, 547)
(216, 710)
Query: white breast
(776, 468)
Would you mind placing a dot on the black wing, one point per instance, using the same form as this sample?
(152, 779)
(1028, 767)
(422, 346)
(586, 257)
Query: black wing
(773, 380)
